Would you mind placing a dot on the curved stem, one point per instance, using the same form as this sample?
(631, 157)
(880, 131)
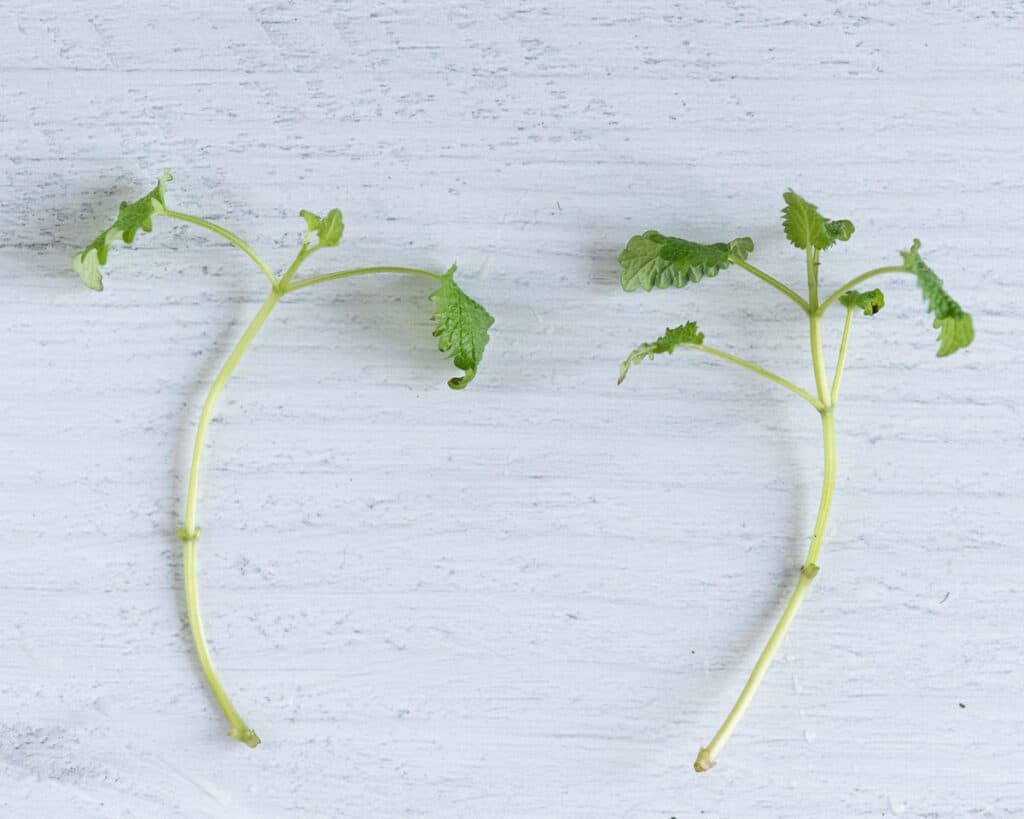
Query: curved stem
(852, 283)
(791, 294)
(239, 730)
(755, 368)
(708, 755)
(359, 271)
(841, 362)
(189, 533)
(231, 237)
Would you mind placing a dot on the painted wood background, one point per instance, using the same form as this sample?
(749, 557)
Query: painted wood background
(536, 598)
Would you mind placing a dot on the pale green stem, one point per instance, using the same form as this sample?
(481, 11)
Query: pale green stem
(708, 755)
(231, 237)
(817, 351)
(359, 271)
(190, 532)
(796, 297)
(852, 283)
(841, 362)
(754, 368)
(304, 253)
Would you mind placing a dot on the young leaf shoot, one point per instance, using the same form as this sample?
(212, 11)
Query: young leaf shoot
(461, 327)
(653, 260)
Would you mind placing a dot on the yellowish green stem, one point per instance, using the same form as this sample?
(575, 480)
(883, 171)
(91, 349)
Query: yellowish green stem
(289, 286)
(786, 291)
(189, 533)
(841, 362)
(708, 755)
(231, 237)
(852, 283)
(759, 370)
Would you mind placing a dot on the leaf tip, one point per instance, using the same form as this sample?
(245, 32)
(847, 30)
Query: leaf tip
(462, 381)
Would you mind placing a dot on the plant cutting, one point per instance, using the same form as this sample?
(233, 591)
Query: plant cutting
(654, 260)
(461, 327)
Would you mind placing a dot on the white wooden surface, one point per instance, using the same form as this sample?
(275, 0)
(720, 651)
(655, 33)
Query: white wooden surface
(536, 598)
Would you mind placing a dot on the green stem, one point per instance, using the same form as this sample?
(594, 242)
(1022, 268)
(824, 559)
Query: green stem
(189, 533)
(231, 237)
(841, 362)
(817, 351)
(852, 283)
(359, 271)
(754, 368)
(796, 297)
(708, 755)
(304, 253)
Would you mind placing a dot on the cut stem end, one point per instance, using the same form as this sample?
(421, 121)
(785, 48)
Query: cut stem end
(704, 762)
(244, 734)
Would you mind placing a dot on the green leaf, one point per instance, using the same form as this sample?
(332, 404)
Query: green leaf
(130, 219)
(653, 260)
(331, 228)
(805, 227)
(955, 326)
(870, 302)
(684, 334)
(461, 328)
(328, 229)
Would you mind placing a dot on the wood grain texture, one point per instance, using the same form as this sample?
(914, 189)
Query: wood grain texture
(536, 598)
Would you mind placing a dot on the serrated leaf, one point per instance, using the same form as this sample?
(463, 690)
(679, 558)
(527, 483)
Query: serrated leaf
(328, 229)
(805, 227)
(955, 326)
(954, 333)
(684, 334)
(131, 218)
(870, 302)
(461, 328)
(653, 260)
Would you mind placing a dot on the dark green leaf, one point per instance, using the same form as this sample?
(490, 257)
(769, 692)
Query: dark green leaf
(653, 260)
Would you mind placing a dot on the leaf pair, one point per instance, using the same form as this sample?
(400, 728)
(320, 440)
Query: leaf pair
(461, 324)
(653, 260)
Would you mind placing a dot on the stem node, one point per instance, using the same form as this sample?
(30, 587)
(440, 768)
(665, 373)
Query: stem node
(188, 536)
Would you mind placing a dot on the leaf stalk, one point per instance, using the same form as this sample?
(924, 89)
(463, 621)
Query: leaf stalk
(226, 234)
